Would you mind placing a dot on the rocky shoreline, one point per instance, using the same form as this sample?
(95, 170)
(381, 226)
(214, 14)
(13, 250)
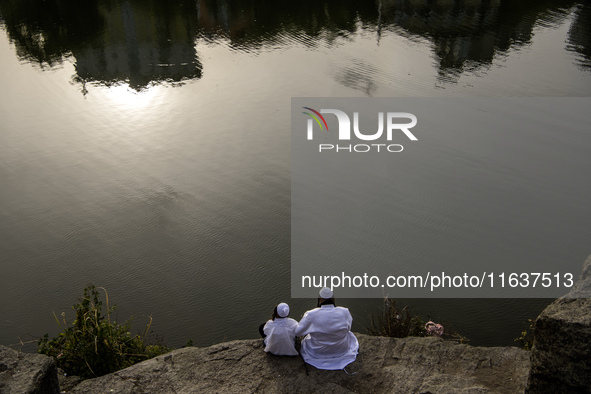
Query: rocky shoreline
(558, 363)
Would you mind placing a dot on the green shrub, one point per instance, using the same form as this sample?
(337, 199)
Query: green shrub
(527, 335)
(392, 321)
(94, 345)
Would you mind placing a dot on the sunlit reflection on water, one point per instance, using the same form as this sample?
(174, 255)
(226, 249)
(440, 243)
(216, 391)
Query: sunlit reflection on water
(129, 100)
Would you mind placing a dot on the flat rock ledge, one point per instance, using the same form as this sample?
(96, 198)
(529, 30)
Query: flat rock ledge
(384, 365)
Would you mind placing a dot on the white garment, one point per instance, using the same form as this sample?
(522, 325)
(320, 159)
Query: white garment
(329, 343)
(280, 336)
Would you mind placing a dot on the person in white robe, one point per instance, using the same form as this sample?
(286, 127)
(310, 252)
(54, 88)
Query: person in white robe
(328, 342)
(279, 332)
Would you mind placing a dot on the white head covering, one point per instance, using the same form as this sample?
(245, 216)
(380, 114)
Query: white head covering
(283, 309)
(325, 293)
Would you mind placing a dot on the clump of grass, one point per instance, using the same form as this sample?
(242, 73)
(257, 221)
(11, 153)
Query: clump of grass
(93, 344)
(392, 321)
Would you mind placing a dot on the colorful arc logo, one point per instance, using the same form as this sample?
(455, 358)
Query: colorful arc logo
(316, 117)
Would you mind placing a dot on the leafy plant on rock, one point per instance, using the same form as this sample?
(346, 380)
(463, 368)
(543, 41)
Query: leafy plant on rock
(392, 321)
(527, 335)
(94, 344)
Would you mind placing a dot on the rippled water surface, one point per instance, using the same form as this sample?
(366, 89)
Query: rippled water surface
(145, 146)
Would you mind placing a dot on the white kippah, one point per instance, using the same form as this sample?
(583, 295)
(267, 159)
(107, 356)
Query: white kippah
(325, 293)
(283, 309)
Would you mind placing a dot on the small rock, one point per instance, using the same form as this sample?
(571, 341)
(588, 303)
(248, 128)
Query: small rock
(23, 373)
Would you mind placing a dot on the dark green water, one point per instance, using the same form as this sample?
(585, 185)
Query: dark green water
(144, 146)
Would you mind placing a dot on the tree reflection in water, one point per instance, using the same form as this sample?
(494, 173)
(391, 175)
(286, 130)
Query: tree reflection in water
(146, 42)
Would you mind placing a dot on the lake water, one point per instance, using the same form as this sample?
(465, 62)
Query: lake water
(145, 146)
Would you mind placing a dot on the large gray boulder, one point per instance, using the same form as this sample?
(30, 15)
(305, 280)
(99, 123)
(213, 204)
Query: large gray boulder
(417, 365)
(22, 373)
(561, 353)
